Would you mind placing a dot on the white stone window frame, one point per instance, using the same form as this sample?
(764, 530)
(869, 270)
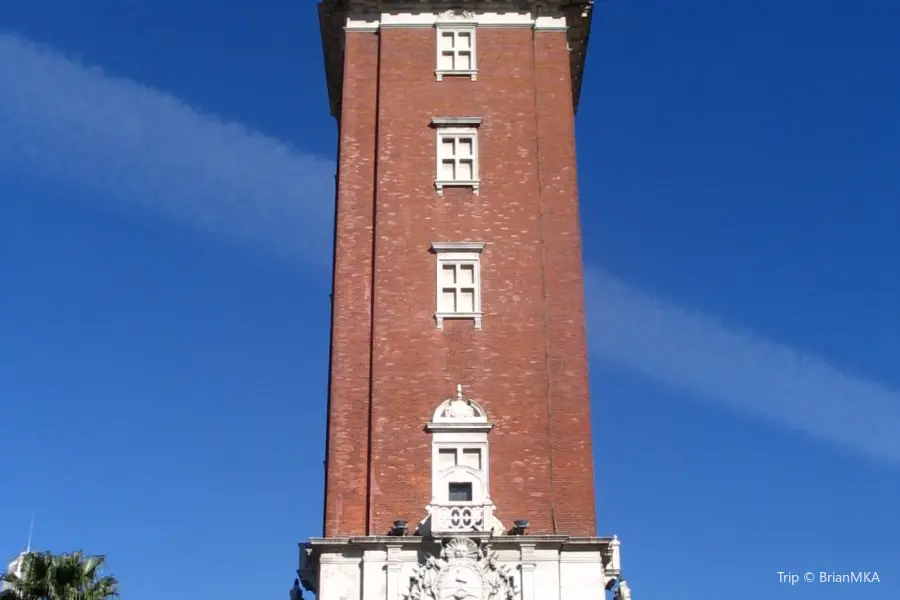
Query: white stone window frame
(460, 424)
(459, 128)
(455, 29)
(458, 253)
(442, 477)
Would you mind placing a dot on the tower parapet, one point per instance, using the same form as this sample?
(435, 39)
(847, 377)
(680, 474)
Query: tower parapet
(336, 17)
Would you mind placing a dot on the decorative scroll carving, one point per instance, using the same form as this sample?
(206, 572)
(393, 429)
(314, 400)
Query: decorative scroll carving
(456, 15)
(463, 571)
(460, 518)
(455, 519)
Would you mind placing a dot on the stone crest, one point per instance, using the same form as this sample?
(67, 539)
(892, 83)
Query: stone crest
(456, 15)
(463, 571)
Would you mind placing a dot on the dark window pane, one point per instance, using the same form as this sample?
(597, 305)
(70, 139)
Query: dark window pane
(460, 492)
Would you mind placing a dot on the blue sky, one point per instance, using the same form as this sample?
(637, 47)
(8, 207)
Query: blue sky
(165, 173)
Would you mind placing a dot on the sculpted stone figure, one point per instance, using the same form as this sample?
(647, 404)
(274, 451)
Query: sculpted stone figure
(430, 574)
(623, 592)
(613, 561)
(296, 592)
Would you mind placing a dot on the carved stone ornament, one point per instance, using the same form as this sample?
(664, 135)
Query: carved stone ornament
(457, 412)
(459, 407)
(456, 15)
(612, 559)
(462, 572)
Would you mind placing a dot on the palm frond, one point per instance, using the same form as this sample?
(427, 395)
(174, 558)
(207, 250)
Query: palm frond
(68, 576)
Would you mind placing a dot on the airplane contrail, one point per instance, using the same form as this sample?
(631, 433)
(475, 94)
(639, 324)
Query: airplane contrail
(740, 370)
(131, 144)
(135, 145)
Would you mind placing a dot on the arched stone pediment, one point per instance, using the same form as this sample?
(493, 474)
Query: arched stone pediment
(459, 410)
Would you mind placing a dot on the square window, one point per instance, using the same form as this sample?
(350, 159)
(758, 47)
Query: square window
(458, 287)
(455, 51)
(446, 458)
(458, 281)
(457, 157)
(460, 492)
(471, 457)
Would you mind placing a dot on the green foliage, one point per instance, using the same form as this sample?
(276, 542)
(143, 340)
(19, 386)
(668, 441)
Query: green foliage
(72, 576)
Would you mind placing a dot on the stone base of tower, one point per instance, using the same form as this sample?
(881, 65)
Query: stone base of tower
(465, 567)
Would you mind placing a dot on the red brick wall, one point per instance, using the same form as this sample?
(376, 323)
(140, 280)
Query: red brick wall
(527, 366)
(348, 410)
(564, 302)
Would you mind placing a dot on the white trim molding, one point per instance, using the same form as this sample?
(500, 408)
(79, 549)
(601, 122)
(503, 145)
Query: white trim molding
(362, 25)
(548, 23)
(472, 74)
(457, 257)
(442, 20)
(451, 121)
(457, 246)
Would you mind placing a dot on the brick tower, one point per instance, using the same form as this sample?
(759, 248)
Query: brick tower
(459, 433)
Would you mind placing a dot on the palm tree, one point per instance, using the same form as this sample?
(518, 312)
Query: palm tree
(71, 576)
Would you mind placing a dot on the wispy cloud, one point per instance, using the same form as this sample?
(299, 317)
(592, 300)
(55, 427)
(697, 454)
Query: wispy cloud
(133, 144)
(129, 143)
(740, 370)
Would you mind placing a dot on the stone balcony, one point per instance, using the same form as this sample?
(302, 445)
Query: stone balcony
(454, 518)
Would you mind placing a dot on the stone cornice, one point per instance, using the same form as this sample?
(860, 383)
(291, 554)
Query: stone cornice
(450, 121)
(457, 246)
(563, 542)
(433, 427)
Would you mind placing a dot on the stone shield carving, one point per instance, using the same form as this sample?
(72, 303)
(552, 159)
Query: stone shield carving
(464, 571)
(456, 15)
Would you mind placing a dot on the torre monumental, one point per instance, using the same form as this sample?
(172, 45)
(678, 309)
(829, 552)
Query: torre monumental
(459, 463)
